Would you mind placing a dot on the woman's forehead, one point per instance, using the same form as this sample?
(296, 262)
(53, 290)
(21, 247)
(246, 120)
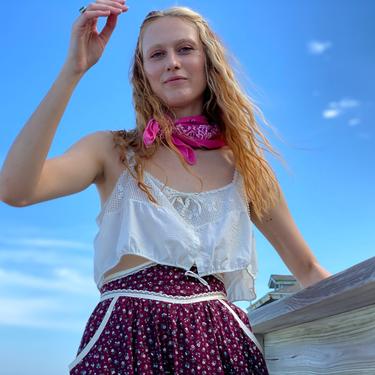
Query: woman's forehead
(158, 32)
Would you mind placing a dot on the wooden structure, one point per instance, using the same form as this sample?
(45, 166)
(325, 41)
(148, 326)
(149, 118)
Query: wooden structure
(282, 285)
(326, 328)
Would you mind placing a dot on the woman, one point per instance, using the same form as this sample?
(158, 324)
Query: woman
(170, 258)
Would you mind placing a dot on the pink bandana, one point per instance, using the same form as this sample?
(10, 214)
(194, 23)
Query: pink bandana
(194, 131)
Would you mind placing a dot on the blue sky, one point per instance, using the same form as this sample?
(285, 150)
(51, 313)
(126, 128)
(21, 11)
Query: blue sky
(309, 65)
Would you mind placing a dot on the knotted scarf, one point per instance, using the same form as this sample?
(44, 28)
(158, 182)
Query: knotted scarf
(188, 133)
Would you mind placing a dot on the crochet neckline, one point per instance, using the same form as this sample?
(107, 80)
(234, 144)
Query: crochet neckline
(166, 187)
(152, 178)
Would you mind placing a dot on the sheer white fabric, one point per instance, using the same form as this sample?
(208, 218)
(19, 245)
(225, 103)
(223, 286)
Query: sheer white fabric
(211, 229)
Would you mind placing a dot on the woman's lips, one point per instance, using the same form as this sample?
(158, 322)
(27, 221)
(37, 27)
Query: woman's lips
(176, 80)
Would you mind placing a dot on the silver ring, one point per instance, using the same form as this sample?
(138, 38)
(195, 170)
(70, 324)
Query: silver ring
(82, 9)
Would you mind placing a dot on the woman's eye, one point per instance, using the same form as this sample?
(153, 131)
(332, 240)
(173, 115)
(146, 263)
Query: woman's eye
(156, 54)
(186, 48)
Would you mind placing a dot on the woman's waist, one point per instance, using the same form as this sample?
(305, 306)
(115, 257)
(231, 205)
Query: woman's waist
(163, 279)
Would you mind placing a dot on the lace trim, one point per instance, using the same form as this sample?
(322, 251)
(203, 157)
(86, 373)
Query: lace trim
(157, 294)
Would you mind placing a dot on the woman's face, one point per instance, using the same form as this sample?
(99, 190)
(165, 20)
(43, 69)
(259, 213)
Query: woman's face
(171, 47)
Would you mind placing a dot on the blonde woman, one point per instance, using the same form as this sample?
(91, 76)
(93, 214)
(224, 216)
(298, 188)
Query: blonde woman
(179, 193)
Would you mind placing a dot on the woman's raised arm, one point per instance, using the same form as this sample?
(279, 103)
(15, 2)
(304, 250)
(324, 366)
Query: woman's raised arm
(25, 164)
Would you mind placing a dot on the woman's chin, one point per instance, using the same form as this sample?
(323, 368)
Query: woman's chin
(179, 102)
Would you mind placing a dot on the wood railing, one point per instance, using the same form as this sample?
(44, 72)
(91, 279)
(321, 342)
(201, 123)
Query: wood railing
(326, 328)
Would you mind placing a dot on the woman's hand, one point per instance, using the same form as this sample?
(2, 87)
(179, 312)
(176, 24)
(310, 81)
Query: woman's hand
(86, 44)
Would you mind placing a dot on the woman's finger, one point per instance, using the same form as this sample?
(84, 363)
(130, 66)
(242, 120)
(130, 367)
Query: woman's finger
(113, 5)
(87, 45)
(95, 10)
(104, 7)
(108, 28)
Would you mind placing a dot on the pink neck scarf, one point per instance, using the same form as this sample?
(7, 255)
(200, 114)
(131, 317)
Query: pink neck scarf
(194, 131)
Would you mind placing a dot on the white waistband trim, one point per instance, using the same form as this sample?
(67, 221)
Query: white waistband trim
(163, 297)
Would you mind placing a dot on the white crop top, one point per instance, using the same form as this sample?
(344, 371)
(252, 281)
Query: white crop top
(211, 229)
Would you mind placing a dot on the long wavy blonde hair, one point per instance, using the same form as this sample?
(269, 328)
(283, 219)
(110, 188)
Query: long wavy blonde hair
(224, 103)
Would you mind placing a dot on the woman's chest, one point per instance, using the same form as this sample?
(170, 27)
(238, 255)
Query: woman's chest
(215, 168)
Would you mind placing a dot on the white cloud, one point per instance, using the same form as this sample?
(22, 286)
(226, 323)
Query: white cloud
(45, 242)
(66, 295)
(336, 109)
(37, 313)
(331, 113)
(63, 280)
(316, 47)
(17, 310)
(354, 121)
(55, 272)
(345, 103)
(45, 257)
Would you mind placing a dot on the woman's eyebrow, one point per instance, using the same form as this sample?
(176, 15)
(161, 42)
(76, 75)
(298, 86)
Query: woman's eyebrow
(184, 40)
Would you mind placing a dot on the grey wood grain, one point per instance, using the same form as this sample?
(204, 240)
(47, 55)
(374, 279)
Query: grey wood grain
(340, 344)
(345, 291)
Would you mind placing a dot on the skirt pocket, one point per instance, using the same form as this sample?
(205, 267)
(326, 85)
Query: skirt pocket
(91, 342)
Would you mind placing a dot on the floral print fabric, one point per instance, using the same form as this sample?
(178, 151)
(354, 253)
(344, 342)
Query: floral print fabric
(133, 335)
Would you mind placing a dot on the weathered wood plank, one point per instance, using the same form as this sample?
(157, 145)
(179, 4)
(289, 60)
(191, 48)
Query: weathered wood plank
(350, 289)
(340, 344)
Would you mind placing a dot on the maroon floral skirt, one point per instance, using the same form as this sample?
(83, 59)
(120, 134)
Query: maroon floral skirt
(157, 319)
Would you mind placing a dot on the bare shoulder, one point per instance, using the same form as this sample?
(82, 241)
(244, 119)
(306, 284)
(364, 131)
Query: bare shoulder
(112, 167)
(105, 141)
(101, 143)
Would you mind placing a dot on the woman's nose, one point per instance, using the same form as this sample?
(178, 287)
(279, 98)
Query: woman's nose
(173, 61)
